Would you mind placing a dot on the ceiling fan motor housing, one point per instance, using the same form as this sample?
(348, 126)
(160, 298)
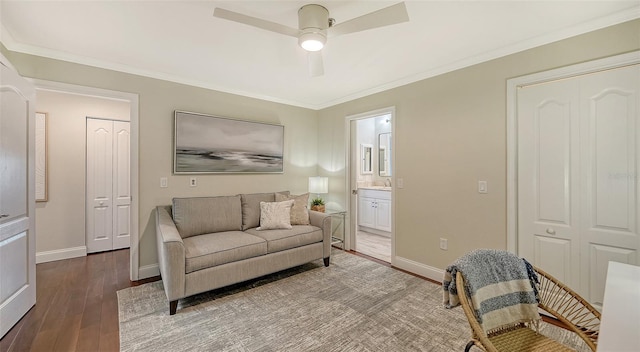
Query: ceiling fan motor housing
(313, 16)
(313, 21)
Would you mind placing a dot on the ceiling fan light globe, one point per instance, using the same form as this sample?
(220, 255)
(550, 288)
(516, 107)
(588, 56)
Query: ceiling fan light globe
(312, 45)
(312, 41)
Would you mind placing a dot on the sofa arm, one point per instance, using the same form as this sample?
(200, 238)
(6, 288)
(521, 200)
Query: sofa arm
(322, 221)
(171, 257)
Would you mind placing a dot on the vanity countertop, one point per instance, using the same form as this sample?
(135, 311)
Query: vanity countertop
(377, 188)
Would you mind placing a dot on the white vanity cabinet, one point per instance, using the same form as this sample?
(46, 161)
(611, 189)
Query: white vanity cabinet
(374, 210)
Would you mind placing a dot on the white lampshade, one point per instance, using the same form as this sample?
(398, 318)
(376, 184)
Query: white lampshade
(318, 184)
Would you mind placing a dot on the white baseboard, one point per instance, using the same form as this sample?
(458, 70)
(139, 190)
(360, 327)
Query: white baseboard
(419, 268)
(59, 254)
(147, 271)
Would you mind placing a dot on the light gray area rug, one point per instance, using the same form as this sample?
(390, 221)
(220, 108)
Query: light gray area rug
(353, 305)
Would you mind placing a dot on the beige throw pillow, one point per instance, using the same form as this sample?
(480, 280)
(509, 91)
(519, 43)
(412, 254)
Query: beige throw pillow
(275, 215)
(300, 210)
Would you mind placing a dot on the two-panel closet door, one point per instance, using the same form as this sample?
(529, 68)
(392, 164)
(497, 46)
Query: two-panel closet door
(578, 158)
(108, 185)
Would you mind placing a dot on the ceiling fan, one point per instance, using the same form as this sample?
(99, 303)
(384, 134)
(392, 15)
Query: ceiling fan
(314, 25)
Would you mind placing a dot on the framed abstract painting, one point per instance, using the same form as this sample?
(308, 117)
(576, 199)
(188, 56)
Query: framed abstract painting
(212, 144)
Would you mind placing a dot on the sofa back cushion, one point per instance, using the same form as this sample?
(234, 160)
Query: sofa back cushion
(251, 207)
(200, 215)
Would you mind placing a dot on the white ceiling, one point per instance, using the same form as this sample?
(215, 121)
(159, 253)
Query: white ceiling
(181, 41)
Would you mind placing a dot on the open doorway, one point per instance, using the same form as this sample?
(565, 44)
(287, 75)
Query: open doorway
(370, 173)
(61, 218)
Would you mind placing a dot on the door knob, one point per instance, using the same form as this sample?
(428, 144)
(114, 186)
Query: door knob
(101, 202)
(551, 231)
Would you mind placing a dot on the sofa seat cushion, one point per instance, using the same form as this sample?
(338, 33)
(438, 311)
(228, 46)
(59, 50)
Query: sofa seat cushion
(281, 239)
(209, 250)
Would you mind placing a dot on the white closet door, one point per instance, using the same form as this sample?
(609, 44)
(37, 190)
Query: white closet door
(17, 198)
(108, 185)
(578, 154)
(121, 185)
(99, 185)
(548, 150)
(609, 159)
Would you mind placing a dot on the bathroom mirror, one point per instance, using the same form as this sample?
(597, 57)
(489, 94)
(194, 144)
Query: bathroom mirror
(384, 154)
(365, 158)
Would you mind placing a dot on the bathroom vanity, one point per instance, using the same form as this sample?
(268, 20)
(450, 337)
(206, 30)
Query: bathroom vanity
(374, 210)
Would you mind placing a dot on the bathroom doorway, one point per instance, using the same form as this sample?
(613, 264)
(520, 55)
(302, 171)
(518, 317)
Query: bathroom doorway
(371, 179)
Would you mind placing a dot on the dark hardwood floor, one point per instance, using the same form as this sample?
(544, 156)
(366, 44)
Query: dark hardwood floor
(76, 306)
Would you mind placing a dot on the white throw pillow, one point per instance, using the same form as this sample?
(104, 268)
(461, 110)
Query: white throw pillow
(275, 215)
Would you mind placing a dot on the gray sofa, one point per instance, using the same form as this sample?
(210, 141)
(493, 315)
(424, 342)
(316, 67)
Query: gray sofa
(206, 243)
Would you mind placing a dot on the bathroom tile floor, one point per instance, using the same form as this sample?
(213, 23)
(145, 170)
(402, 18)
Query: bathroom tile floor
(374, 245)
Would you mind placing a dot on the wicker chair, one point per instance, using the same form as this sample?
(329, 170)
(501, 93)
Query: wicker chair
(565, 306)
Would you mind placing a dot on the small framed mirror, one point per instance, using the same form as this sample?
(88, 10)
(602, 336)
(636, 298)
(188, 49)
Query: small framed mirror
(384, 154)
(365, 158)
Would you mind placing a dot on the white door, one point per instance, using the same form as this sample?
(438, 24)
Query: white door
(108, 180)
(17, 198)
(121, 185)
(577, 176)
(609, 193)
(548, 223)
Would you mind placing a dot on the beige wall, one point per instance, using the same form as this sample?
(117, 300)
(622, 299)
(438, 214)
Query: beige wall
(450, 132)
(60, 221)
(157, 102)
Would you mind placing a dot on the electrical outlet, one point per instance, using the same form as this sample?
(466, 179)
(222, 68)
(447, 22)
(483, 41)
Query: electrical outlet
(443, 244)
(163, 182)
(193, 182)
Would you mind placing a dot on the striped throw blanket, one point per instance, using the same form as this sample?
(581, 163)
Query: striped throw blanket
(502, 288)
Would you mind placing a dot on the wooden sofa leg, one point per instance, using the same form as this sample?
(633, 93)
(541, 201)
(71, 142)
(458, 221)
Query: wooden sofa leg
(326, 261)
(173, 307)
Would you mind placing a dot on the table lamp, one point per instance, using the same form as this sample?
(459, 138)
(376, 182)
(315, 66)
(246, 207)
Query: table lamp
(318, 185)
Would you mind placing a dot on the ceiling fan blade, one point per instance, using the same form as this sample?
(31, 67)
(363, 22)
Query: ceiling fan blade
(393, 14)
(316, 67)
(255, 22)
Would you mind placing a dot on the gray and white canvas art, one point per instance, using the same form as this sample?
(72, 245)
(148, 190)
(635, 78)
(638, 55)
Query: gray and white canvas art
(211, 144)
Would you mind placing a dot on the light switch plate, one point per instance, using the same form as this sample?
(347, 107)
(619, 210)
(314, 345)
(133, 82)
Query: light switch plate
(400, 182)
(163, 182)
(482, 187)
